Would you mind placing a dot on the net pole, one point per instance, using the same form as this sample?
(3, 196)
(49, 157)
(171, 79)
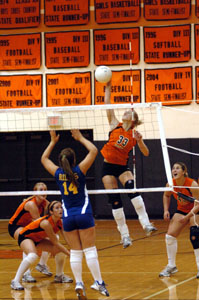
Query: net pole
(131, 80)
(164, 147)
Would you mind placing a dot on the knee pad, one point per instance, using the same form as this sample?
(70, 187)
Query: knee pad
(115, 200)
(194, 236)
(31, 257)
(90, 253)
(76, 256)
(169, 239)
(138, 202)
(118, 213)
(130, 185)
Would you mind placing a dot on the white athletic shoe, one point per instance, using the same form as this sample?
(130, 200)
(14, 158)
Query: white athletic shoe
(168, 271)
(150, 229)
(63, 279)
(80, 290)
(126, 241)
(100, 287)
(43, 269)
(27, 277)
(16, 285)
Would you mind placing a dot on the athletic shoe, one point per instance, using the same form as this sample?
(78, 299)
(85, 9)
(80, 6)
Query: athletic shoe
(16, 285)
(126, 241)
(63, 279)
(150, 229)
(43, 269)
(168, 271)
(27, 277)
(197, 276)
(100, 287)
(80, 290)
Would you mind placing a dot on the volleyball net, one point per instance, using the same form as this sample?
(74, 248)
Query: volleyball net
(95, 118)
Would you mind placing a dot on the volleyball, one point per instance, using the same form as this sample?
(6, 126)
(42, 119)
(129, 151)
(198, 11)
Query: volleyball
(103, 74)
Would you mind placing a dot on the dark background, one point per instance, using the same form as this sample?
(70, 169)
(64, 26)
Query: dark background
(21, 169)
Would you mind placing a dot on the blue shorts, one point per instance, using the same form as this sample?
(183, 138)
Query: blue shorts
(78, 222)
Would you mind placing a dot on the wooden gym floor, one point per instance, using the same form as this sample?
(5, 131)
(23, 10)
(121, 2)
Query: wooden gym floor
(130, 273)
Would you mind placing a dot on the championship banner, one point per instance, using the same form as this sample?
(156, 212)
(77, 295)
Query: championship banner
(167, 10)
(169, 86)
(121, 89)
(20, 91)
(66, 12)
(197, 85)
(19, 14)
(67, 49)
(117, 11)
(197, 8)
(197, 42)
(111, 46)
(167, 44)
(68, 89)
(20, 52)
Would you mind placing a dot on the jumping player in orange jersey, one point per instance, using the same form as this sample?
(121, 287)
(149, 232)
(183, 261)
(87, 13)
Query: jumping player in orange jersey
(186, 213)
(115, 166)
(41, 235)
(29, 210)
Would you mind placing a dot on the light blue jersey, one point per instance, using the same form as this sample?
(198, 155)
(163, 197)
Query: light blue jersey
(75, 200)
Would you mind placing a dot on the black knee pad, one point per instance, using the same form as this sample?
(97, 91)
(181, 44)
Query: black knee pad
(194, 236)
(115, 200)
(130, 185)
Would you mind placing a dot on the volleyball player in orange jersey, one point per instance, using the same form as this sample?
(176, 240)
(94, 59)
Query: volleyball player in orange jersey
(41, 235)
(122, 138)
(186, 213)
(30, 209)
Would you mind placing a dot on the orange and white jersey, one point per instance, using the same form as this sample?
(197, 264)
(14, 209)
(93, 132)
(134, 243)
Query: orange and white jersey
(120, 143)
(34, 232)
(23, 217)
(182, 204)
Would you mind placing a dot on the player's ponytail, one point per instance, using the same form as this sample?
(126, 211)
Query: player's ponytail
(67, 160)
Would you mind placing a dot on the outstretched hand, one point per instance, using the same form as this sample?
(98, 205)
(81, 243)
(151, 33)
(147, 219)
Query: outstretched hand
(76, 134)
(54, 137)
(137, 135)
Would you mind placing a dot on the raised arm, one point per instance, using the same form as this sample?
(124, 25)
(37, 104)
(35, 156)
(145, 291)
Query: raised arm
(142, 146)
(86, 163)
(113, 121)
(46, 162)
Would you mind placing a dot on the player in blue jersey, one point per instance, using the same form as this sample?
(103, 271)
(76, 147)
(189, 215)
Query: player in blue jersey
(78, 221)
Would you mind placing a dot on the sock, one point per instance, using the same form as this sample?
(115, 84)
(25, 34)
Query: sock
(76, 264)
(44, 258)
(93, 263)
(171, 245)
(140, 209)
(120, 220)
(28, 272)
(25, 264)
(196, 252)
(60, 262)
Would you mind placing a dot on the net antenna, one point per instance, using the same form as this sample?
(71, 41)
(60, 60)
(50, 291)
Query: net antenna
(131, 80)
